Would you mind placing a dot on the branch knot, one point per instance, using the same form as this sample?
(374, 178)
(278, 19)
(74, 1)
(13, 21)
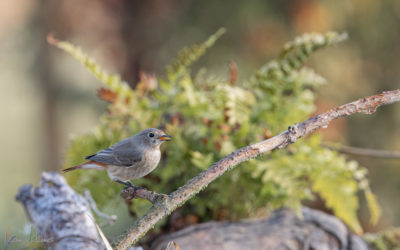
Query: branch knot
(293, 134)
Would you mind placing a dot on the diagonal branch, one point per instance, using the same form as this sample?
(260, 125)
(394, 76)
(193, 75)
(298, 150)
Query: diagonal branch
(163, 207)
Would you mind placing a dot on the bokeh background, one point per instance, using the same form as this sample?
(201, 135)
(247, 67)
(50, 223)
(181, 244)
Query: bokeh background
(47, 97)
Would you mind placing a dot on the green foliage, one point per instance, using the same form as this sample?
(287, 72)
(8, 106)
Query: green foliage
(373, 205)
(385, 240)
(296, 52)
(210, 118)
(188, 56)
(113, 82)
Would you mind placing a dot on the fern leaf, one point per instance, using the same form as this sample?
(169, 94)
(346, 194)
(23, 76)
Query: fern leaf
(187, 56)
(238, 103)
(388, 239)
(339, 195)
(296, 52)
(113, 82)
(373, 206)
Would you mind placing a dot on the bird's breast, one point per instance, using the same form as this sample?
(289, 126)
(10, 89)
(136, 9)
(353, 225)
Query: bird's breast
(139, 169)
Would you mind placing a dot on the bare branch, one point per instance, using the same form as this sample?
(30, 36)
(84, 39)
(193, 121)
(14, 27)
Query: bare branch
(367, 152)
(163, 207)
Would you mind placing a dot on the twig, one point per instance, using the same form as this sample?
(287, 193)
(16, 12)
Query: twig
(367, 152)
(110, 218)
(163, 207)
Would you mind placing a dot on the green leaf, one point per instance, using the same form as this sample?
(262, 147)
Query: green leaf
(189, 55)
(113, 82)
(201, 161)
(340, 195)
(373, 206)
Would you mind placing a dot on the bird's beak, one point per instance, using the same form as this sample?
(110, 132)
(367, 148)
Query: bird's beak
(165, 138)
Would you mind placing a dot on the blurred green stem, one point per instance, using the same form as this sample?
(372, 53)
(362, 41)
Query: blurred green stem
(367, 152)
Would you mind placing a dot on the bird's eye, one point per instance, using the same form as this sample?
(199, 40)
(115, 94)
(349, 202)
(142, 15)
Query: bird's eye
(151, 135)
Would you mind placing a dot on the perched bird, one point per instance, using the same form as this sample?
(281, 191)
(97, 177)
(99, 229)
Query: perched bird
(129, 159)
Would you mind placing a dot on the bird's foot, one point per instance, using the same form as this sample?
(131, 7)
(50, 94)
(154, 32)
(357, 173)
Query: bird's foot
(135, 188)
(129, 190)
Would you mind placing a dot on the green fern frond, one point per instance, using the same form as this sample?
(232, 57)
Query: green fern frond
(388, 239)
(189, 55)
(373, 206)
(309, 77)
(113, 82)
(328, 173)
(237, 103)
(339, 194)
(359, 174)
(296, 52)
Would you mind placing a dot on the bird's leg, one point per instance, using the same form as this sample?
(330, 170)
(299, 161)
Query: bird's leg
(128, 184)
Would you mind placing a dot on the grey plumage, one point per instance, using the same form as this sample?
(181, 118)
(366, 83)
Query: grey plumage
(124, 154)
(131, 158)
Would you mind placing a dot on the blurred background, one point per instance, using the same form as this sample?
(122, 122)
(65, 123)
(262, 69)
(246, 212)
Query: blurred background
(47, 97)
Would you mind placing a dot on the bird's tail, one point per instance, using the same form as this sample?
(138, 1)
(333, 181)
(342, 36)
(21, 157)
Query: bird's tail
(71, 168)
(86, 165)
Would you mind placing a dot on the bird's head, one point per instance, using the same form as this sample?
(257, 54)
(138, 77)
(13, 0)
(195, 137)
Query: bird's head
(152, 137)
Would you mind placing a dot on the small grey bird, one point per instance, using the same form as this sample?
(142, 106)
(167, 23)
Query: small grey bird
(129, 159)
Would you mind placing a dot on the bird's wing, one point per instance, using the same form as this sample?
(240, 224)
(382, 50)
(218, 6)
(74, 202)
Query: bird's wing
(121, 154)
